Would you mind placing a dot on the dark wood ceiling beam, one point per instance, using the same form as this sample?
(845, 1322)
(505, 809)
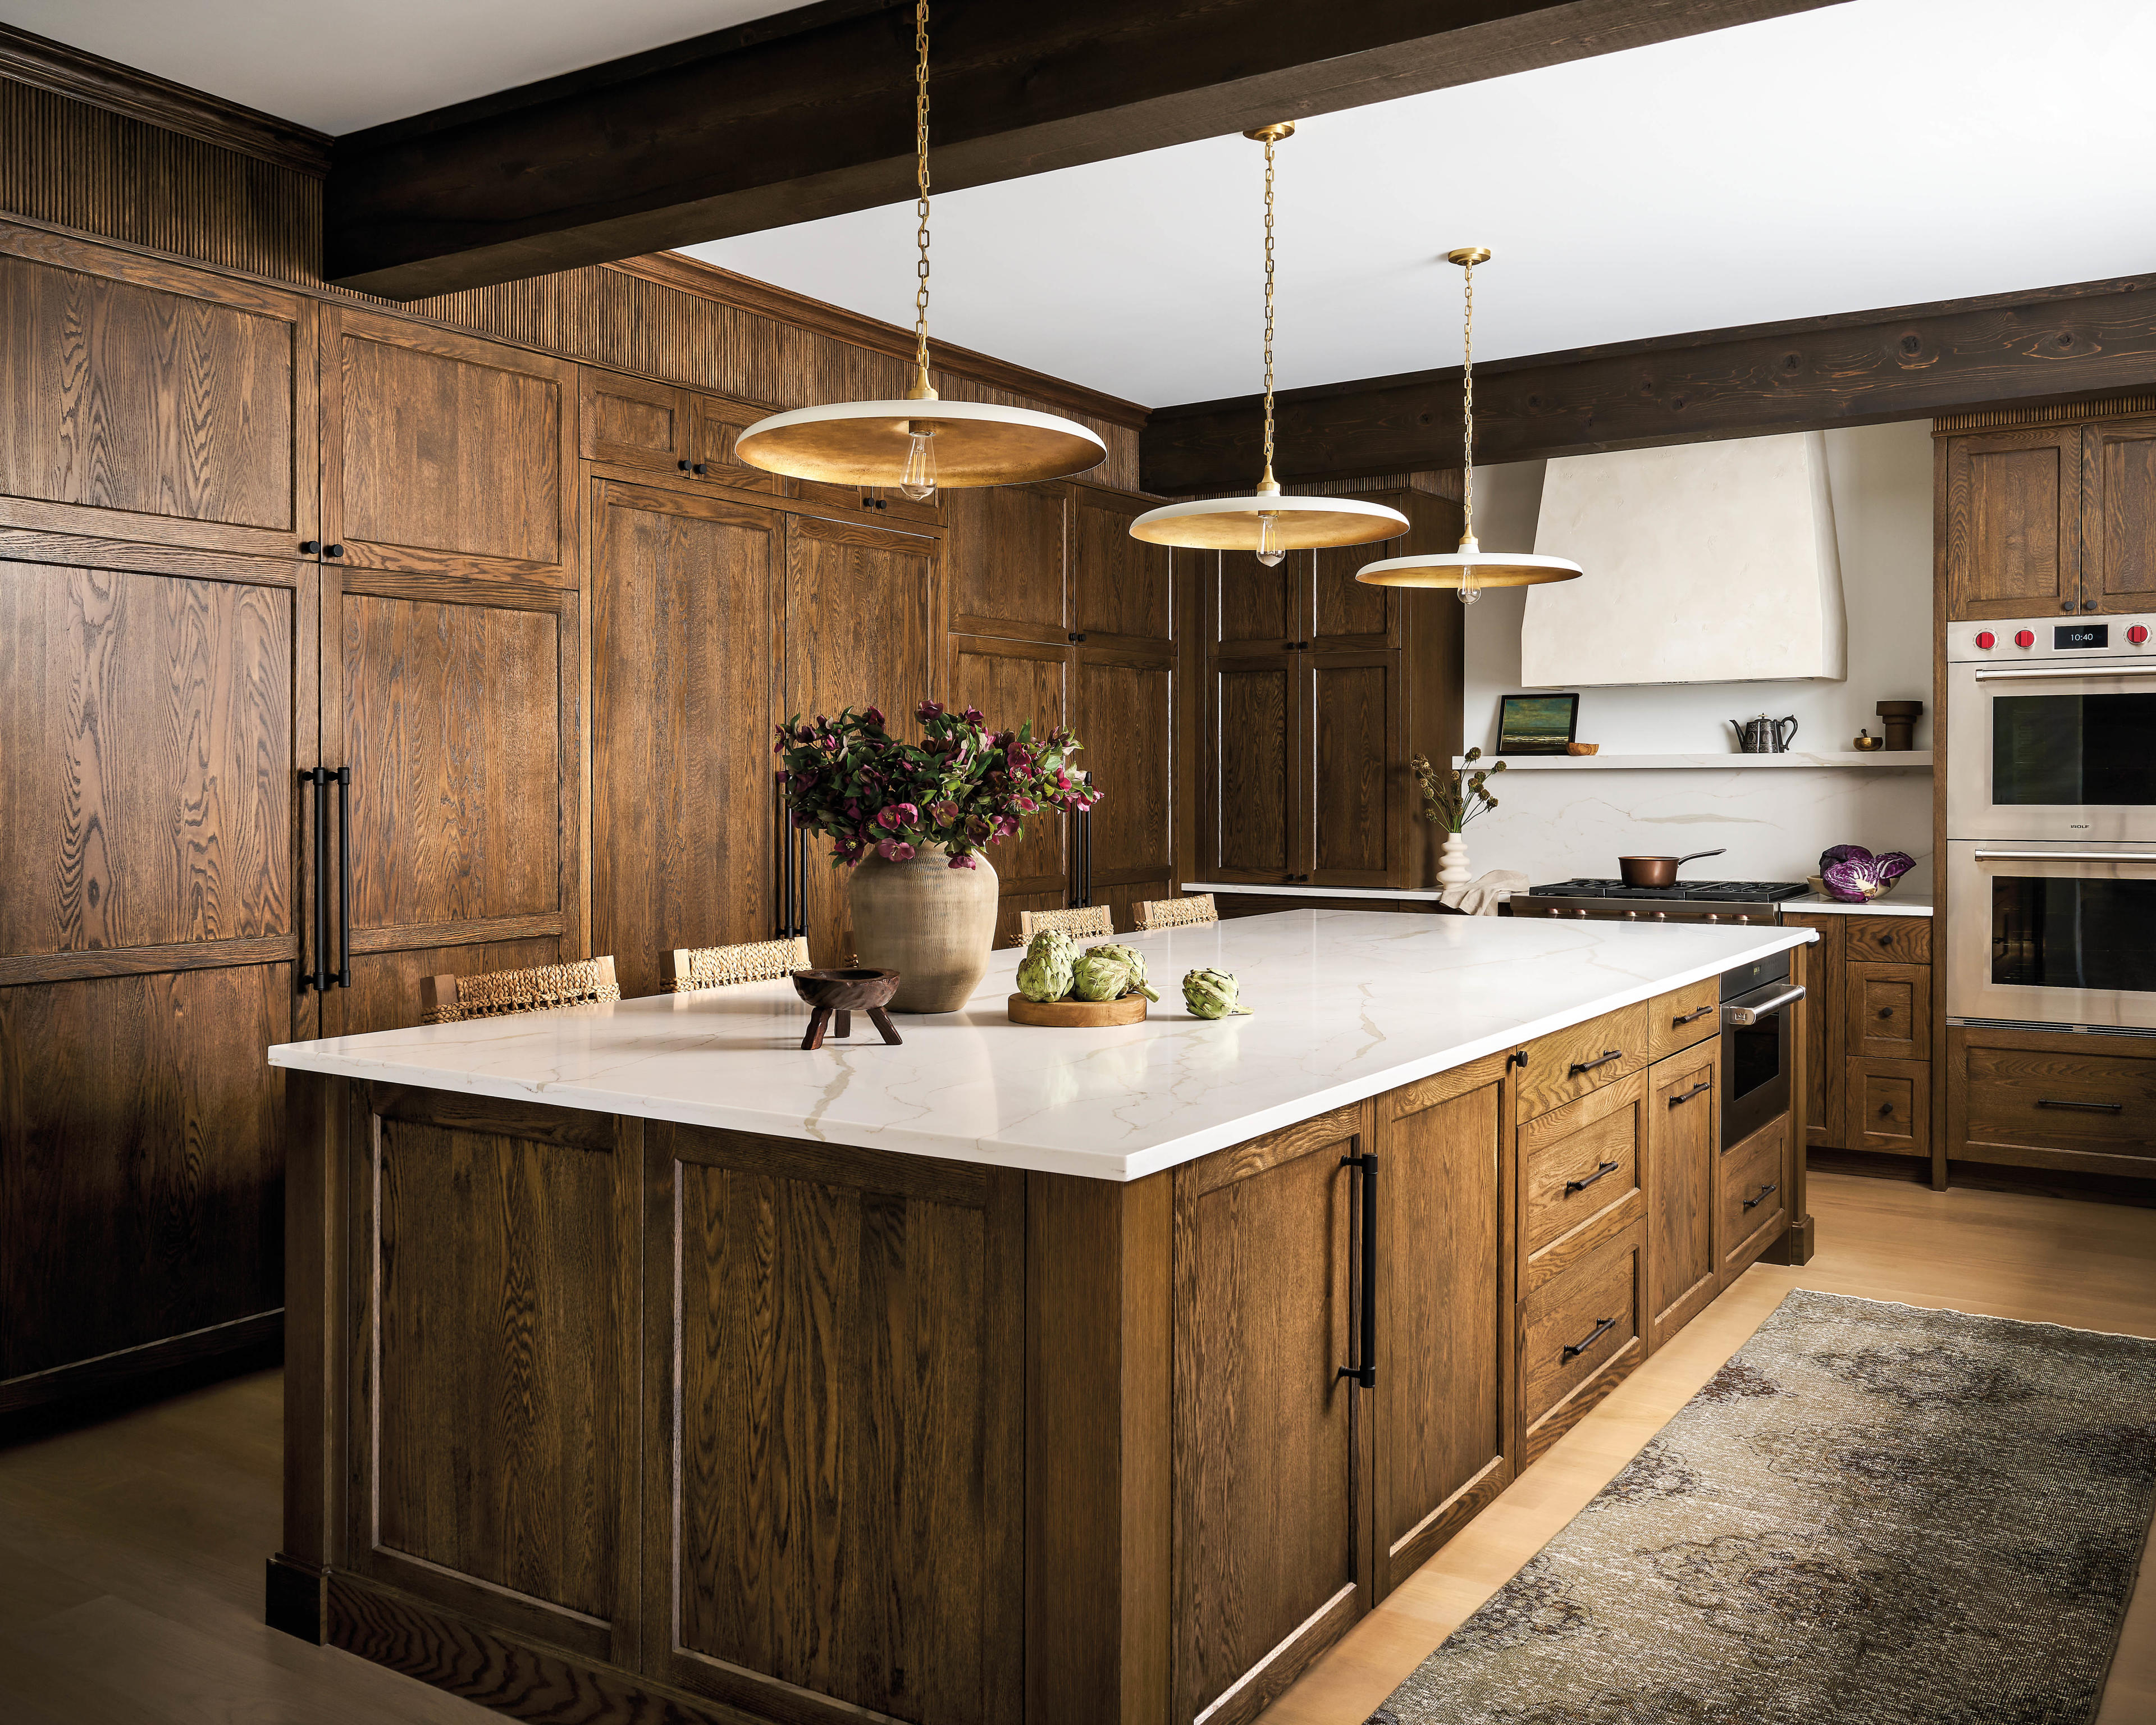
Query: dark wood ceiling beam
(810, 114)
(2044, 346)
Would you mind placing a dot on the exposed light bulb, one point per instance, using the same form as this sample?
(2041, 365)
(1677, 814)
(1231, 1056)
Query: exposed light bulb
(1270, 551)
(918, 482)
(1470, 584)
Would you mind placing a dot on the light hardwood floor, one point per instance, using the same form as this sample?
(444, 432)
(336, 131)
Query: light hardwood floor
(131, 1553)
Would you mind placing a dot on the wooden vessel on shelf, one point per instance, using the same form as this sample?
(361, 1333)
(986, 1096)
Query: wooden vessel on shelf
(1077, 1014)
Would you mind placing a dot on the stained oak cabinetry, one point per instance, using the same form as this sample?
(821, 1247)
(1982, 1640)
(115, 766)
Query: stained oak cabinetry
(1867, 1070)
(1317, 692)
(1059, 616)
(2034, 1099)
(2057, 513)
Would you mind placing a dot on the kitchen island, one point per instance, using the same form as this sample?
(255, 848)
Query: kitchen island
(643, 1365)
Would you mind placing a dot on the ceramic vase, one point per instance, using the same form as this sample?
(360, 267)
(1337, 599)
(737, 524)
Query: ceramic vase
(1452, 862)
(931, 923)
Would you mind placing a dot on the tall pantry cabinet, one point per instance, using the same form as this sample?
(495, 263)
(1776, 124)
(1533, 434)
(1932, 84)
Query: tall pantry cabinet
(340, 649)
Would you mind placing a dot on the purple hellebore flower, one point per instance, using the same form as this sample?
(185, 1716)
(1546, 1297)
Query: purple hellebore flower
(895, 850)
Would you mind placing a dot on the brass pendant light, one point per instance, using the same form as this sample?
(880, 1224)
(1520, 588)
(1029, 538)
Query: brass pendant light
(1469, 569)
(907, 444)
(1270, 522)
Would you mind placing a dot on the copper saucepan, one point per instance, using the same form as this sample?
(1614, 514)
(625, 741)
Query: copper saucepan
(1656, 870)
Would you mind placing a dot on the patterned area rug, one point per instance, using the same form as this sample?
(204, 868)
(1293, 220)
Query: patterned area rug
(1873, 1515)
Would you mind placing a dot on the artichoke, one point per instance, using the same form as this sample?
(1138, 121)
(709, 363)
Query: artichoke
(1045, 973)
(1211, 993)
(1130, 957)
(1095, 978)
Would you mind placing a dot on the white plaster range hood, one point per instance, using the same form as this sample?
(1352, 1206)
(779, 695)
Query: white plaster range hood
(1706, 563)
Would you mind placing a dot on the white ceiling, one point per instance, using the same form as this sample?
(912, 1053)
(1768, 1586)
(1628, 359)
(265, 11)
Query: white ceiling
(338, 65)
(1880, 153)
(1877, 153)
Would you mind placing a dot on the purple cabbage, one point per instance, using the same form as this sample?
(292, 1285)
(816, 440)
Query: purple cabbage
(1854, 875)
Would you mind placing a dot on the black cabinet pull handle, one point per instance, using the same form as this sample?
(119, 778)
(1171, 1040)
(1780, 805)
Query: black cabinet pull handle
(320, 976)
(1689, 1017)
(310, 546)
(333, 551)
(1608, 1055)
(1518, 1057)
(1573, 1350)
(1366, 1373)
(344, 877)
(695, 467)
(784, 834)
(1602, 1173)
(2084, 1107)
(682, 465)
(1750, 1202)
(1699, 1088)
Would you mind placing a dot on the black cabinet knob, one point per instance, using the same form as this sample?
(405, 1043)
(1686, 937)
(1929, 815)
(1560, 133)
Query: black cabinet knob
(310, 546)
(695, 467)
(682, 465)
(333, 551)
(2088, 604)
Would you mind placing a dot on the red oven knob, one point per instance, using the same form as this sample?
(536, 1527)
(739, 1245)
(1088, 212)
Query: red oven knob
(1986, 639)
(2025, 638)
(2136, 635)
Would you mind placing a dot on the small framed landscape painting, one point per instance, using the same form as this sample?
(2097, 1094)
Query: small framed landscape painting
(1537, 724)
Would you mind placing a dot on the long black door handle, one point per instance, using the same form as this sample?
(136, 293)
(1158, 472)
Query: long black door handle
(1602, 1173)
(1608, 1055)
(2085, 1107)
(783, 838)
(318, 910)
(1699, 1089)
(1573, 1350)
(1365, 1371)
(800, 882)
(344, 877)
(1687, 1017)
(1761, 1196)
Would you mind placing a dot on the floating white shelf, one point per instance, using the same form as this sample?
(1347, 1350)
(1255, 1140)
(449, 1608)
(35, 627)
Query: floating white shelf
(1664, 764)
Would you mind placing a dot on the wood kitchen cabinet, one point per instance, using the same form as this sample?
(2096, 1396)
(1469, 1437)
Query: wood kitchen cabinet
(2049, 510)
(1317, 692)
(629, 421)
(1865, 1068)
(1684, 1141)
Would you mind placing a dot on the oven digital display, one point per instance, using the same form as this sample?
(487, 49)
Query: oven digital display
(2080, 634)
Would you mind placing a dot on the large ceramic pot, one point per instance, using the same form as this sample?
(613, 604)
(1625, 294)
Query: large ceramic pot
(931, 923)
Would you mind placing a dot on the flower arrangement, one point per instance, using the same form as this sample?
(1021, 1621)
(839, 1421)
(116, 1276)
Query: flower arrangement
(963, 786)
(1454, 796)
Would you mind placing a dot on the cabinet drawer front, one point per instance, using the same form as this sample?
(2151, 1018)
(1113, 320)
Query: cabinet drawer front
(1683, 1016)
(2061, 1101)
(1579, 1323)
(1581, 1159)
(1889, 940)
(1570, 1063)
(1754, 1191)
(1890, 1011)
(888, 503)
(1890, 1107)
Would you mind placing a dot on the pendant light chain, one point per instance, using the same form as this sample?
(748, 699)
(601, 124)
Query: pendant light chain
(1467, 408)
(1268, 479)
(921, 180)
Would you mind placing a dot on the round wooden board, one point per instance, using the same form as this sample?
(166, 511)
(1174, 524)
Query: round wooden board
(1131, 1009)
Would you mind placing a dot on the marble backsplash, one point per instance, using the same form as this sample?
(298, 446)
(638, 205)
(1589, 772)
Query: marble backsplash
(1773, 822)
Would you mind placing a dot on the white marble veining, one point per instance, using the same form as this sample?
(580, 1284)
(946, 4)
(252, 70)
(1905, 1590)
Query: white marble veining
(1346, 1004)
(1897, 903)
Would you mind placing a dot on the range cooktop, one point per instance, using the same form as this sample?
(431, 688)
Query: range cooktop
(1713, 891)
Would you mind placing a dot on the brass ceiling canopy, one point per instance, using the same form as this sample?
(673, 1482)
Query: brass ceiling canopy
(1269, 522)
(1469, 569)
(923, 441)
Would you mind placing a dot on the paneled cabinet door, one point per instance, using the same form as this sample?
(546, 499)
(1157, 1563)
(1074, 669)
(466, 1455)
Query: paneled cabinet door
(1012, 682)
(1007, 550)
(863, 605)
(1819, 968)
(2118, 516)
(1345, 613)
(152, 728)
(1354, 818)
(685, 657)
(1123, 707)
(1250, 609)
(455, 706)
(633, 422)
(149, 402)
(1122, 589)
(2013, 523)
(834, 1507)
(446, 454)
(1684, 1133)
(1270, 1561)
(1443, 1402)
(1249, 803)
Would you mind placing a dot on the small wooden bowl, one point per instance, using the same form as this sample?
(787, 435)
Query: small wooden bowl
(1064, 1014)
(1582, 748)
(846, 990)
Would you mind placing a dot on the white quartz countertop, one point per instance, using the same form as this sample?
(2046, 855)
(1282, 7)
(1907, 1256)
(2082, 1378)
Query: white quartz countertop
(1895, 904)
(1347, 1004)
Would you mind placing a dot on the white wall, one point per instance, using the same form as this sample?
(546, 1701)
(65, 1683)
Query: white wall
(1774, 823)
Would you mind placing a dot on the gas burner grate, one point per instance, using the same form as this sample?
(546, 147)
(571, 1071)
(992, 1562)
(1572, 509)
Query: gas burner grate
(1710, 891)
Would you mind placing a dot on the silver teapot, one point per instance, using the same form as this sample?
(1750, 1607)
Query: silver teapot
(1763, 736)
